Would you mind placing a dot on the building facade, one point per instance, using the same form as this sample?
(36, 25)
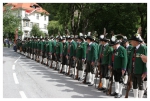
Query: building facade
(30, 13)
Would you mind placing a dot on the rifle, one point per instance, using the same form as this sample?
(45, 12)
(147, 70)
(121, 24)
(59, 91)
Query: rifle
(109, 89)
(100, 80)
(96, 76)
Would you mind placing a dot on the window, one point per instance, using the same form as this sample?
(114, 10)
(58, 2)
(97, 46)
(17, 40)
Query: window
(45, 17)
(31, 24)
(37, 24)
(26, 24)
(37, 17)
(44, 26)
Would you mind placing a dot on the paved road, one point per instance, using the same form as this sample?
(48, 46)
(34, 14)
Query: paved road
(25, 78)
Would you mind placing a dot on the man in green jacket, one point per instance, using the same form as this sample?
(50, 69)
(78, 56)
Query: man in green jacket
(45, 51)
(119, 65)
(137, 66)
(91, 59)
(53, 53)
(49, 50)
(65, 52)
(104, 58)
(71, 51)
(59, 51)
(39, 49)
(128, 48)
(80, 56)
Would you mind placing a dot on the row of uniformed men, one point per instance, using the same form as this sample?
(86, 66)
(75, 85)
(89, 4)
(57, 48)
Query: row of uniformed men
(74, 56)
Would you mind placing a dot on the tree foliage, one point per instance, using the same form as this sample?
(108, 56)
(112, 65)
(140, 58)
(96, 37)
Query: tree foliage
(54, 27)
(10, 21)
(36, 32)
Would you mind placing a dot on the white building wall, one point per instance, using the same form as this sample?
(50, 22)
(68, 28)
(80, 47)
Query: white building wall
(33, 18)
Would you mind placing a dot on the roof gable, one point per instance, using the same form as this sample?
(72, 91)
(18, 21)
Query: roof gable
(28, 7)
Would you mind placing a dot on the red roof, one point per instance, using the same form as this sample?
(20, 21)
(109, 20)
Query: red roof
(27, 7)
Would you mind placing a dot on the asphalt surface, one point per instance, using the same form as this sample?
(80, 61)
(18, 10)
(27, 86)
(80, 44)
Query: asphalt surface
(25, 78)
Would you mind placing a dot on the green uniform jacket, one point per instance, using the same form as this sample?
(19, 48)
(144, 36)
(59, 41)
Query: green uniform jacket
(97, 49)
(128, 54)
(86, 48)
(35, 42)
(139, 65)
(53, 46)
(47, 46)
(42, 46)
(65, 48)
(120, 58)
(30, 44)
(35, 45)
(59, 48)
(81, 51)
(73, 46)
(39, 45)
(50, 46)
(107, 53)
(91, 53)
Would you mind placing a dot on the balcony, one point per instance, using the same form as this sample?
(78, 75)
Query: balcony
(25, 28)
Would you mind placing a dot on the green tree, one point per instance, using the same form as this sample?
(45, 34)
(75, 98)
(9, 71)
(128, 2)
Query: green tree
(54, 27)
(122, 18)
(10, 22)
(36, 31)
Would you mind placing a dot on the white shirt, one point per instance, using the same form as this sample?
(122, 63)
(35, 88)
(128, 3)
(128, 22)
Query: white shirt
(105, 44)
(90, 43)
(71, 41)
(127, 46)
(137, 47)
(118, 46)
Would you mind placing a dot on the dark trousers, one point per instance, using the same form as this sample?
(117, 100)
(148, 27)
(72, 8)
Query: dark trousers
(137, 81)
(104, 71)
(79, 64)
(53, 57)
(72, 62)
(118, 75)
(64, 60)
(89, 67)
(58, 58)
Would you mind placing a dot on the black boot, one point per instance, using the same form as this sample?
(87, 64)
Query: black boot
(114, 94)
(118, 96)
(102, 88)
(91, 84)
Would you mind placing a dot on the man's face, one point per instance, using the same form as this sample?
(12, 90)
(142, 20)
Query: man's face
(63, 41)
(115, 46)
(88, 41)
(101, 42)
(69, 40)
(133, 43)
(78, 40)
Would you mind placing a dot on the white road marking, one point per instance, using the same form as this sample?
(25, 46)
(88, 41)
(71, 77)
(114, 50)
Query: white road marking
(13, 67)
(22, 94)
(15, 78)
(17, 59)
